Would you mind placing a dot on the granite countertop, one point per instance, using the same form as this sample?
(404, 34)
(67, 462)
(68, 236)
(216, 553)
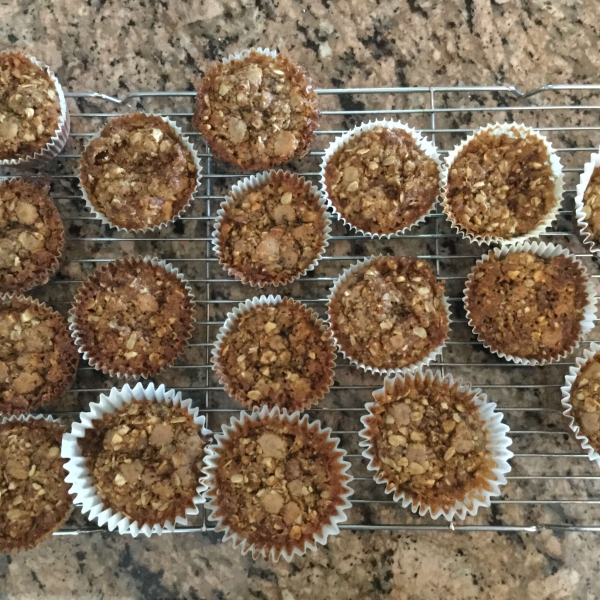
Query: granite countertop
(118, 47)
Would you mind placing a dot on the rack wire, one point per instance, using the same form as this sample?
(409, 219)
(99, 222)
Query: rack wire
(552, 484)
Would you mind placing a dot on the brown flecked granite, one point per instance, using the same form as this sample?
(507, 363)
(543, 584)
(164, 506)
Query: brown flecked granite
(118, 47)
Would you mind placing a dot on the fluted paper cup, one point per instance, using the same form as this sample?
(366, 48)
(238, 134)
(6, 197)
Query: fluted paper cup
(57, 142)
(230, 325)
(246, 53)
(80, 477)
(566, 390)
(544, 250)
(257, 181)
(185, 142)
(328, 529)
(498, 443)
(89, 351)
(583, 222)
(431, 357)
(422, 143)
(545, 223)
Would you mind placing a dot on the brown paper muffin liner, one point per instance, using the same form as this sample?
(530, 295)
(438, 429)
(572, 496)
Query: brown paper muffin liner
(212, 495)
(70, 359)
(96, 213)
(218, 149)
(230, 325)
(498, 444)
(14, 548)
(57, 142)
(42, 276)
(256, 181)
(555, 164)
(431, 357)
(83, 488)
(543, 250)
(88, 289)
(427, 147)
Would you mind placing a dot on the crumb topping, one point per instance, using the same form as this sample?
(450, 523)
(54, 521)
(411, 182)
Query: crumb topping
(256, 112)
(501, 185)
(277, 355)
(527, 306)
(29, 107)
(380, 181)
(389, 313)
(430, 442)
(145, 460)
(138, 172)
(274, 232)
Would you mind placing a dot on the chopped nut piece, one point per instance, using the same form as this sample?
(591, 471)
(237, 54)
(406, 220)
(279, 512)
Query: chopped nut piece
(132, 183)
(256, 112)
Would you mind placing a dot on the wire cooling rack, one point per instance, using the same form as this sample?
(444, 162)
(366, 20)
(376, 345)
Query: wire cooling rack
(552, 484)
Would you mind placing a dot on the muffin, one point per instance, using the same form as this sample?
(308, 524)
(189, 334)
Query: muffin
(381, 178)
(35, 497)
(587, 203)
(503, 183)
(436, 444)
(139, 172)
(34, 121)
(530, 303)
(277, 484)
(133, 317)
(38, 360)
(274, 352)
(31, 236)
(256, 110)
(388, 313)
(144, 460)
(272, 229)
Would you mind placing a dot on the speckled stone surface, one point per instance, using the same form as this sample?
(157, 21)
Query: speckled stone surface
(118, 47)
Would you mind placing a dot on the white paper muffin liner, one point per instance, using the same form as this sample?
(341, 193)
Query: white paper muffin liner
(246, 53)
(57, 141)
(184, 142)
(582, 219)
(544, 250)
(232, 320)
(583, 440)
(28, 417)
(498, 129)
(98, 363)
(422, 143)
(432, 356)
(212, 456)
(498, 444)
(79, 476)
(249, 183)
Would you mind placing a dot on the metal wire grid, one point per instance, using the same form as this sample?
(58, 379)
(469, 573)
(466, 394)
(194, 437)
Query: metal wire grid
(552, 484)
